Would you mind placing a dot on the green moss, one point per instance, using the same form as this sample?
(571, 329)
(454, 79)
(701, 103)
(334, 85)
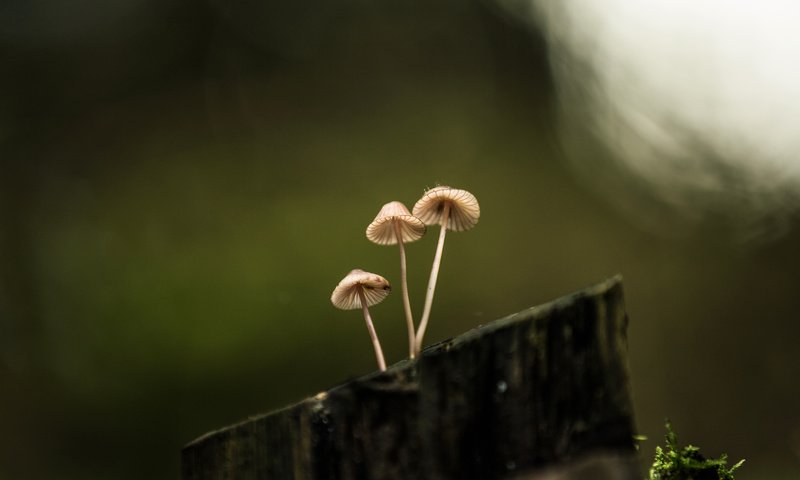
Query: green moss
(687, 463)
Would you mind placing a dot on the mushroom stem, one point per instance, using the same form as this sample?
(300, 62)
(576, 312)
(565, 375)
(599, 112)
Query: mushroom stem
(437, 261)
(371, 328)
(404, 287)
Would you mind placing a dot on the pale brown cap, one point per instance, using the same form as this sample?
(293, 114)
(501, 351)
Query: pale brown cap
(464, 208)
(345, 295)
(381, 230)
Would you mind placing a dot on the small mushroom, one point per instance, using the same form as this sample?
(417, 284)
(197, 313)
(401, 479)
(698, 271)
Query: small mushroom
(453, 209)
(394, 224)
(360, 289)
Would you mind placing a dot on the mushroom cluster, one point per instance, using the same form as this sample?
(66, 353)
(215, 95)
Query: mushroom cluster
(453, 209)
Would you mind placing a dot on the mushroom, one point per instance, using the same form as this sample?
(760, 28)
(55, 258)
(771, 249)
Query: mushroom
(394, 224)
(453, 209)
(360, 289)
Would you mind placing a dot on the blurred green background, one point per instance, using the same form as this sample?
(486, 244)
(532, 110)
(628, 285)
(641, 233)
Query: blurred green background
(182, 185)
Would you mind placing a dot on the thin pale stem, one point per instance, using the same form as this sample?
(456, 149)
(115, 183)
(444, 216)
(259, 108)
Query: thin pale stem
(371, 328)
(404, 286)
(437, 261)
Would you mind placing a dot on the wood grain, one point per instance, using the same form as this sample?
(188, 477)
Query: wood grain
(539, 392)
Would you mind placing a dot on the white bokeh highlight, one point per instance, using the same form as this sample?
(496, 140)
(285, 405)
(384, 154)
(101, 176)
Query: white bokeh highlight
(696, 99)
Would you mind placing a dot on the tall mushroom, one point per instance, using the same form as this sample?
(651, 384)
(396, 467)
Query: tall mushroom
(360, 289)
(453, 209)
(394, 224)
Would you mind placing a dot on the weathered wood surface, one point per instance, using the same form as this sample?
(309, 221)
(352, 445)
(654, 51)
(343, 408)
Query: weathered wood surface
(537, 394)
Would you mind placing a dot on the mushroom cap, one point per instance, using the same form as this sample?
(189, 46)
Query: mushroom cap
(464, 208)
(345, 295)
(381, 230)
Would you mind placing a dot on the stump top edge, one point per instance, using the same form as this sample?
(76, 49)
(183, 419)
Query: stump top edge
(610, 285)
(402, 368)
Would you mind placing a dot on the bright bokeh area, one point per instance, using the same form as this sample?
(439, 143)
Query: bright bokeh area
(696, 102)
(182, 186)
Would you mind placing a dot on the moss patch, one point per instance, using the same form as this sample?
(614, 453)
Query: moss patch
(687, 463)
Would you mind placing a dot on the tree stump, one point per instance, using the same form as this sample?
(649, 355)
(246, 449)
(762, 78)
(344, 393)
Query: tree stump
(543, 394)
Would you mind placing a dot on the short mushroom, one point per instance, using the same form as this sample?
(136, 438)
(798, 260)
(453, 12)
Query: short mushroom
(360, 289)
(394, 224)
(453, 209)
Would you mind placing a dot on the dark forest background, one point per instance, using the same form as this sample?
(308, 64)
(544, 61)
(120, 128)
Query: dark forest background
(182, 184)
